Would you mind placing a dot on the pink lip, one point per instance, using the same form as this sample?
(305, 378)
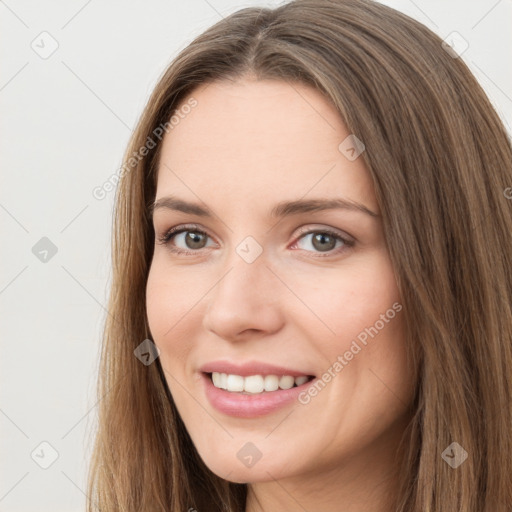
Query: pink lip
(250, 368)
(250, 406)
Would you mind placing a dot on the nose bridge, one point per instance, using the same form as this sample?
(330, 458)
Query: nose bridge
(246, 264)
(243, 283)
(244, 297)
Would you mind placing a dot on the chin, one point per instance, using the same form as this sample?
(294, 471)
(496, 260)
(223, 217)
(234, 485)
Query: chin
(234, 471)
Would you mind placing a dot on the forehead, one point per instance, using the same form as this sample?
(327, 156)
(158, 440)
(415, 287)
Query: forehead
(259, 140)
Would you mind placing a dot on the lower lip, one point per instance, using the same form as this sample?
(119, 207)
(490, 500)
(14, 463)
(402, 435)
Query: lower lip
(250, 406)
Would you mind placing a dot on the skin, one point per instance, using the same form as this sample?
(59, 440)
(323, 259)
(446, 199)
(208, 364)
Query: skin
(246, 146)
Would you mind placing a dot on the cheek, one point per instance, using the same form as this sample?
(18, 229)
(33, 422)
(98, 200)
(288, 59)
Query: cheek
(342, 305)
(169, 304)
(357, 316)
(158, 294)
(173, 295)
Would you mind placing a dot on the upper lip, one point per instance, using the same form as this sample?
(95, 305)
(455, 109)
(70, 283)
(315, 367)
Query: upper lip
(250, 368)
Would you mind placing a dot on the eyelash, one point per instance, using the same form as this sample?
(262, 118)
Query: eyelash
(169, 234)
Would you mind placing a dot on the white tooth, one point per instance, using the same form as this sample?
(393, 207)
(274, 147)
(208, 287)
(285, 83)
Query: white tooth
(300, 380)
(271, 382)
(253, 384)
(286, 382)
(235, 383)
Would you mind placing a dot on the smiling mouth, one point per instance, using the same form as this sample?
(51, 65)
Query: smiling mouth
(256, 384)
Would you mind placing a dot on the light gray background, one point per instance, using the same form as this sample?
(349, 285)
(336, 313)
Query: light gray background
(65, 121)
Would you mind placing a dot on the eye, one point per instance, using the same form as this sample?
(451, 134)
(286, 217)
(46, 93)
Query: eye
(324, 241)
(192, 238)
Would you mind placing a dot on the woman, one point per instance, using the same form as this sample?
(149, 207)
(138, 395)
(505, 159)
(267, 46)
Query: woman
(310, 304)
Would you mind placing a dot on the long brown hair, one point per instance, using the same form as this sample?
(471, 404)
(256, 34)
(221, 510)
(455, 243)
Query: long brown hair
(441, 164)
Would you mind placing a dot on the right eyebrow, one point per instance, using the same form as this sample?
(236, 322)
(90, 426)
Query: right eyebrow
(173, 203)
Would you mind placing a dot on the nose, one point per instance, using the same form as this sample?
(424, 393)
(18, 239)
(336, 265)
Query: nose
(245, 302)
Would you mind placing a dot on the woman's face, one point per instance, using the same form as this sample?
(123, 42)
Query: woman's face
(311, 291)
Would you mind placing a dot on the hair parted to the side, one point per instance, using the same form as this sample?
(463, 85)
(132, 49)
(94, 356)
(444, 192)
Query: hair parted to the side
(440, 161)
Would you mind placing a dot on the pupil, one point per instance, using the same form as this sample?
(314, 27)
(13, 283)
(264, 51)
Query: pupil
(319, 242)
(195, 239)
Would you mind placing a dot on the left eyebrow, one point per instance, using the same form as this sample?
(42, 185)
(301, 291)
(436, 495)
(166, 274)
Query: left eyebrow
(282, 209)
(285, 208)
